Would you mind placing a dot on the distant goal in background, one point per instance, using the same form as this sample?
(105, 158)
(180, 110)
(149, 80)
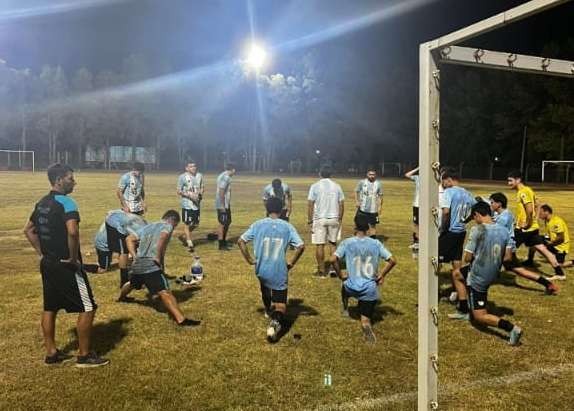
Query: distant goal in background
(17, 160)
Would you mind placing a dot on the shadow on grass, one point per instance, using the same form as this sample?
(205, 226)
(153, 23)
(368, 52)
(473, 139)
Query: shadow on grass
(295, 308)
(181, 295)
(509, 280)
(206, 240)
(381, 311)
(105, 336)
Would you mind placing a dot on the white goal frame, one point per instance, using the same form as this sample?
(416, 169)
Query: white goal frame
(23, 152)
(431, 54)
(545, 162)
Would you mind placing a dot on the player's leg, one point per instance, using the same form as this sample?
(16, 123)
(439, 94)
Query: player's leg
(127, 289)
(186, 220)
(333, 228)
(459, 281)
(319, 238)
(84, 329)
(48, 323)
(156, 283)
(192, 226)
(266, 298)
(344, 301)
(551, 288)
(415, 226)
(551, 258)
(367, 309)
(279, 301)
(320, 257)
(226, 227)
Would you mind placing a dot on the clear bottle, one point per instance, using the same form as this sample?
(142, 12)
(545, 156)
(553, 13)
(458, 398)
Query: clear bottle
(197, 269)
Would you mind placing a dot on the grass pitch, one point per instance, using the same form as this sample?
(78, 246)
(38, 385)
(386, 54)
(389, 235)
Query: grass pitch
(226, 363)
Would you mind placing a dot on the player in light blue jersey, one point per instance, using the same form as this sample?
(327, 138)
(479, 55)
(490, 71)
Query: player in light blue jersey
(503, 217)
(102, 251)
(190, 189)
(271, 237)
(489, 244)
(283, 192)
(148, 246)
(131, 191)
(223, 205)
(362, 256)
(369, 200)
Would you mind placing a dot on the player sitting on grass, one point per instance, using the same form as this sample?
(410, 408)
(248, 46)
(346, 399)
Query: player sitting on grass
(148, 247)
(489, 244)
(272, 236)
(557, 239)
(503, 217)
(362, 255)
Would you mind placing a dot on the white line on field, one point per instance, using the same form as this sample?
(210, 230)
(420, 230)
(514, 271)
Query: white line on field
(452, 388)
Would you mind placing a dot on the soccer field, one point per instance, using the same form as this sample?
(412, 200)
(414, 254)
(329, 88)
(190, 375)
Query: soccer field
(226, 363)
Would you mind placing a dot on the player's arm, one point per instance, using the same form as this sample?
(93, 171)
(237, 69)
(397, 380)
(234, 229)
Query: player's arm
(381, 205)
(289, 203)
(559, 239)
(132, 244)
(390, 264)
(120, 195)
(357, 199)
(337, 267)
(310, 210)
(341, 210)
(221, 194)
(162, 247)
(32, 236)
(298, 253)
(529, 209)
(411, 173)
(245, 251)
(467, 257)
(73, 229)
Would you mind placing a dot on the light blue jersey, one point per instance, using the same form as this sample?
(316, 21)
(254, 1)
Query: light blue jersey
(101, 239)
(506, 220)
(271, 237)
(223, 183)
(488, 244)
(191, 185)
(269, 192)
(147, 254)
(125, 223)
(362, 257)
(369, 194)
(132, 188)
(459, 201)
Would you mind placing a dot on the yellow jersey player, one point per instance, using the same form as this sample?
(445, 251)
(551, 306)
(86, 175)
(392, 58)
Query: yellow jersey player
(557, 235)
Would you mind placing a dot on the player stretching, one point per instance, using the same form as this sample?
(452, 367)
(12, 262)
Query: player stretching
(558, 236)
(362, 255)
(148, 267)
(272, 236)
(131, 191)
(102, 251)
(190, 189)
(325, 214)
(53, 230)
(526, 230)
(414, 176)
(456, 203)
(369, 200)
(488, 245)
(281, 191)
(223, 205)
(503, 217)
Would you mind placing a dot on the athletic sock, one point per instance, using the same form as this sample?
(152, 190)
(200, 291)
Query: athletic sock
(221, 244)
(543, 281)
(124, 276)
(277, 316)
(505, 325)
(558, 270)
(463, 306)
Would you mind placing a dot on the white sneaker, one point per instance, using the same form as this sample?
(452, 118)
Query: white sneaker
(453, 297)
(192, 281)
(273, 330)
(557, 278)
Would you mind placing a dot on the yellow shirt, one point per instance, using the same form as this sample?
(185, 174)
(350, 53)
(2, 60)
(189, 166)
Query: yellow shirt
(526, 196)
(555, 226)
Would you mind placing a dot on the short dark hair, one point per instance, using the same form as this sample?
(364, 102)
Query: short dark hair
(371, 168)
(481, 208)
(515, 174)
(229, 167)
(326, 172)
(450, 173)
(274, 205)
(138, 166)
(171, 215)
(361, 222)
(190, 162)
(56, 171)
(546, 208)
(499, 198)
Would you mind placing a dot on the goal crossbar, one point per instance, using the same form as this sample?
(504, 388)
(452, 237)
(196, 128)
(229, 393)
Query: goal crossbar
(23, 152)
(546, 162)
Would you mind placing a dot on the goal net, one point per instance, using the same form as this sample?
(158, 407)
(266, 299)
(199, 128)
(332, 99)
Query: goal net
(17, 160)
(556, 166)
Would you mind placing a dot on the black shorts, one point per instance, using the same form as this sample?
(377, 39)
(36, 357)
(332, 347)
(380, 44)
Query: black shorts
(104, 259)
(154, 281)
(116, 240)
(65, 287)
(528, 238)
(372, 218)
(450, 246)
(189, 216)
(224, 217)
(416, 215)
(277, 296)
(477, 300)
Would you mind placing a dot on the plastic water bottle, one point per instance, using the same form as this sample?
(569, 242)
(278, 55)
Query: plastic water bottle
(197, 269)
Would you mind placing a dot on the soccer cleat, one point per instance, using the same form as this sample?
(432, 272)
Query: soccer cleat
(188, 322)
(459, 316)
(273, 330)
(552, 289)
(320, 274)
(369, 334)
(332, 273)
(515, 335)
(453, 297)
(557, 278)
(59, 357)
(91, 360)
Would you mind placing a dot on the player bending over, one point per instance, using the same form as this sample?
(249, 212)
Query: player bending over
(148, 266)
(102, 251)
(362, 255)
(557, 239)
(489, 244)
(271, 237)
(281, 191)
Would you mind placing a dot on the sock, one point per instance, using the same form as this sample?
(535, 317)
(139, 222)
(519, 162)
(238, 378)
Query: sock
(221, 243)
(505, 325)
(374, 236)
(266, 297)
(415, 239)
(463, 306)
(124, 276)
(278, 316)
(189, 243)
(344, 298)
(558, 270)
(543, 281)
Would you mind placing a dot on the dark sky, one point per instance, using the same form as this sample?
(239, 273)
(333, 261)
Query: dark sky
(188, 33)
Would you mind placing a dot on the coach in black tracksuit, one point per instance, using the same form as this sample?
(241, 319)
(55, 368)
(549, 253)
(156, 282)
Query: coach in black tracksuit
(53, 231)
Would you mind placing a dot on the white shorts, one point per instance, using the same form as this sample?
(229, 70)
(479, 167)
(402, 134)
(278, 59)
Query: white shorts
(325, 230)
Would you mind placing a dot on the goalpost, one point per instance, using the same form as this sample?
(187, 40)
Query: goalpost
(431, 54)
(567, 162)
(17, 160)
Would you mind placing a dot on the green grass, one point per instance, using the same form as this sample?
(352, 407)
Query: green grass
(226, 362)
